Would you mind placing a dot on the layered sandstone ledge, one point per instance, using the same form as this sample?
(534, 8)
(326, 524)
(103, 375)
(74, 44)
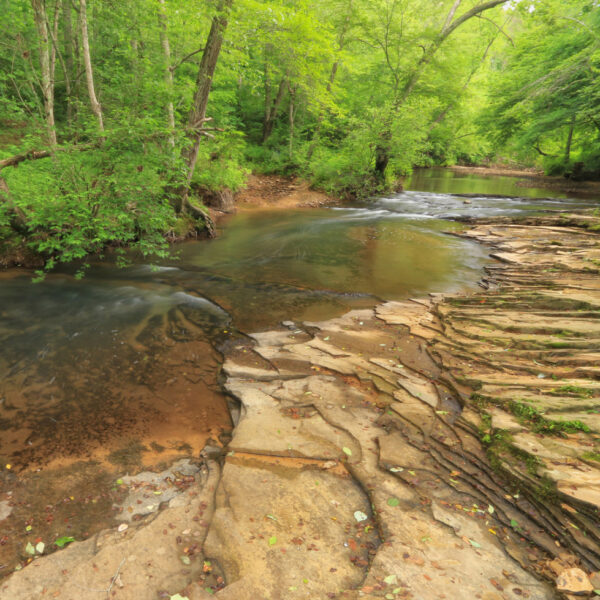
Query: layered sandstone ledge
(444, 447)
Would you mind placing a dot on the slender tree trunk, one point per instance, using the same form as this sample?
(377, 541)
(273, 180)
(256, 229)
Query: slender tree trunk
(68, 54)
(292, 118)
(56, 53)
(569, 140)
(267, 89)
(164, 40)
(46, 67)
(87, 60)
(197, 116)
(272, 109)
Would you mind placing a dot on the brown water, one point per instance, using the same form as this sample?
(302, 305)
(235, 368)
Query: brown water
(118, 372)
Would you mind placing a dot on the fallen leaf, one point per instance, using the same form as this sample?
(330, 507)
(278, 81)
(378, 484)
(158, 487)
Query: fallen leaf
(347, 451)
(272, 540)
(61, 542)
(390, 579)
(185, 559)
(40, 547)
(360, 516)
(122, 527)
(393, 502)
(30, 549)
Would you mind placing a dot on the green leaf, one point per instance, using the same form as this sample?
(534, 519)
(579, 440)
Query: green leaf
(30, 549)
(390, 579)
(347, 451)
(61, 542)
(185, 560)
(393, 501)
(474, 544)
(272, 540)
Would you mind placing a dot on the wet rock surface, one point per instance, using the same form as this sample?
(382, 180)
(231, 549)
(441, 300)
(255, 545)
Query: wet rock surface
(435, 448)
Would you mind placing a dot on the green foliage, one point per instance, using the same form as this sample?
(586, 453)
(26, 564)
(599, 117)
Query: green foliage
(321, 88)
(80, 202)
(545, 97)
(221, 165)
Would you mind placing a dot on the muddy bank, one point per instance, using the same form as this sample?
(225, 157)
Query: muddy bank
(534, 178)
(437, 448)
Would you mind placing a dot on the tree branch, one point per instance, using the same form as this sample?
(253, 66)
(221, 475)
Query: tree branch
(185, 58)
(476, 10)
(500, 29)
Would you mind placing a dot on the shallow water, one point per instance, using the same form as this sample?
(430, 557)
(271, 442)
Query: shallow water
(119, 370)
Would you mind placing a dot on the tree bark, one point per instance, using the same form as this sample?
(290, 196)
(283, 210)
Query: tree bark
(46, 67)
(89, 73)
(164, 40)
(197, 116)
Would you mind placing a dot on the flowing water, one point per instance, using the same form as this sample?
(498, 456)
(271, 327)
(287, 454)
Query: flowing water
(119, 371)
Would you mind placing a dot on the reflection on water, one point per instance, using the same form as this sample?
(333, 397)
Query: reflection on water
(119, 371)
(446, 181)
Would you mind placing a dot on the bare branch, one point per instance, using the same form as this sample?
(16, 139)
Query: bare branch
(185, 58)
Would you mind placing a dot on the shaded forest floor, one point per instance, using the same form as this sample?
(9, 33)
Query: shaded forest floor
(441, 447)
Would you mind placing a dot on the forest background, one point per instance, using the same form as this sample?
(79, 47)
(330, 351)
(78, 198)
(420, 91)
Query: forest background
(118, 119)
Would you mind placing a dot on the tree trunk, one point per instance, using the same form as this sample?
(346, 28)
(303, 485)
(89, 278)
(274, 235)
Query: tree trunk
(197, 115)
(292, 117)
(68, 53)
(164, 40)
(271, 110)
(569, 140)
(46, 67)
(89, 73)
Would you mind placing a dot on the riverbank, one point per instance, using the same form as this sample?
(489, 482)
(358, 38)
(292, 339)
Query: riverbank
(442, 447)
(274, 191)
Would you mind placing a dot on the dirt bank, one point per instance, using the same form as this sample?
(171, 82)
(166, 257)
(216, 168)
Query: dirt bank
(274, 191)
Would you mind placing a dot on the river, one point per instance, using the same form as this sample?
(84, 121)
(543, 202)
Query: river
(119, 371)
